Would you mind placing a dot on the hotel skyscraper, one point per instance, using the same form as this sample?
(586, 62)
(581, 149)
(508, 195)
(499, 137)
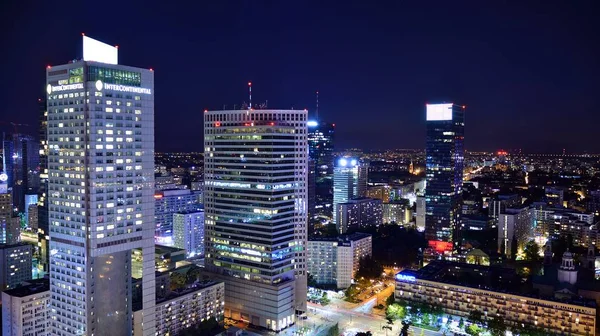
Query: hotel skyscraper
(100, 191)
(444, 173)
(255, 167)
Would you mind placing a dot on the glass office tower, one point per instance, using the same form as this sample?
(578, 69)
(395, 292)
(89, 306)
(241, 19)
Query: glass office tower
(444, 173)
(100, 192)
(255, 168)
(350, 177)
(320, 188)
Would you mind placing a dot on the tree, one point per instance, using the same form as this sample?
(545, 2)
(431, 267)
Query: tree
(427, 319)
(390, 300)
(514, 248)
(178, 280)
(192, 275)
(366, 333)
(461, 323)
(311, 280)
(475, 316)
(351, 291)
(496, 326)
(473, 330)
(532, 251)
(369, 268)
(395, 312)
(334, 330)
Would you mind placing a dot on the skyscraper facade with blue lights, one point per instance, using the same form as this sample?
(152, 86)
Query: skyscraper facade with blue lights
(320, 173)
(444, 172)
(349, 181)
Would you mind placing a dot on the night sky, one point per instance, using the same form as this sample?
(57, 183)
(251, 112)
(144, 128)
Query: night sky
(528, 72)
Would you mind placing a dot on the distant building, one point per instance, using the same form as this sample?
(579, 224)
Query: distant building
(25, 309)
(477, 222)
(185, 308)
(349, 181)
(321, 140)
(499, 204)
(514, 223)
(21, 157)
(188, 232)
(382, 192)
(15, 265)
(421, 209)
(32, 216)
(554, 197)
(334, 261)
(561, 223)
(165, 259)
(359, 213)
(169, 202)
(593, 202)
(493, 291)
(444, 172)
(397, 212)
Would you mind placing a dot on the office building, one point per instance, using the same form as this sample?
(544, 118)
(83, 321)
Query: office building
(399, 212)
(188, 232)
(593, 202)
(514, 225)
(25, 309)
(15, 264)
(166, 258)
(32, 217)
(185, 308)
(320, 137)
(359, 213)
(255, 168)
(42, 210)
(21, 164)
(350, 177)
(335, 261)
(100, 191)
(462, 288)
(169, 202)
(444, 172)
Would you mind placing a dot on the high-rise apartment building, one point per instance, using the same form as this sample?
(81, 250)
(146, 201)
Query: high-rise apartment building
(359, 213)
(188, 232)
(335, 261)
(349, 181)
(444, 172)
(514, 225)
(255, 168)
(100, 191)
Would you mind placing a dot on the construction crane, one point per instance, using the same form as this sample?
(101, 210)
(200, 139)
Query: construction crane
(14, 125)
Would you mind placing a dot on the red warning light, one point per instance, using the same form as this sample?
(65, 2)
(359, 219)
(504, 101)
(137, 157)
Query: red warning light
(48, 67)
(217, 124)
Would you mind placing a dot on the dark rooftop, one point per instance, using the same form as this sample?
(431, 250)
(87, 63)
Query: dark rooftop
(33, 287)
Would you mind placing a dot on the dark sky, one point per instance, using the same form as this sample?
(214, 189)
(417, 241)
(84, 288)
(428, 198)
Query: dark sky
(528, 71)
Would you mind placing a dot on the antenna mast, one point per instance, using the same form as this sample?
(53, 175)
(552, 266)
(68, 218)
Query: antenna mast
(250, 94)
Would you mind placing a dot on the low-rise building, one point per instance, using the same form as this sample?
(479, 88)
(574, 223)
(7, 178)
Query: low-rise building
(514, 224)
(25, 309)
(463, 288)
(397, 212)
(185, 308)
(334, 261)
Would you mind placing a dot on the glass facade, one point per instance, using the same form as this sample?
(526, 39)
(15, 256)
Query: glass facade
(320, 151)
(444, 172)
(114, 76)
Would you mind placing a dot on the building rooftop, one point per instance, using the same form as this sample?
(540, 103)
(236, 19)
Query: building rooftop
(184, 291)
(33, 287)
(4, 246)
(349, 237)
(490, 278)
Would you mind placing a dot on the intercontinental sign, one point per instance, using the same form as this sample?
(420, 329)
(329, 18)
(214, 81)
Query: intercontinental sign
(58, 88)
(122, 88)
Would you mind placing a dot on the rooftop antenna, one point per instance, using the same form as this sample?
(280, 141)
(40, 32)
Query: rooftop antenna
(250, 94)
(317, 111)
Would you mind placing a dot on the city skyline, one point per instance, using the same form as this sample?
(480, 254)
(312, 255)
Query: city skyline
(518, 77)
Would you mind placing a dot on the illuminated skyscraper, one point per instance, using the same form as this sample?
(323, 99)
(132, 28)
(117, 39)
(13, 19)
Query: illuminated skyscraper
(444, 172)
(349, 181)
(320, 151)
(100, 192)
(255, 195)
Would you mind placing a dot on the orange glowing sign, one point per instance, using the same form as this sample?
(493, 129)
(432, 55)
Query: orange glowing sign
(440, 246)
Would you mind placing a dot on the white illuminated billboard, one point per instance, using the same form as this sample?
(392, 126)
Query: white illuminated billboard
(439, 112)
(97, 51)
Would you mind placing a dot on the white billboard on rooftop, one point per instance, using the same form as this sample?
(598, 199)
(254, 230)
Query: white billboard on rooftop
(94, 50)
(439, 112)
